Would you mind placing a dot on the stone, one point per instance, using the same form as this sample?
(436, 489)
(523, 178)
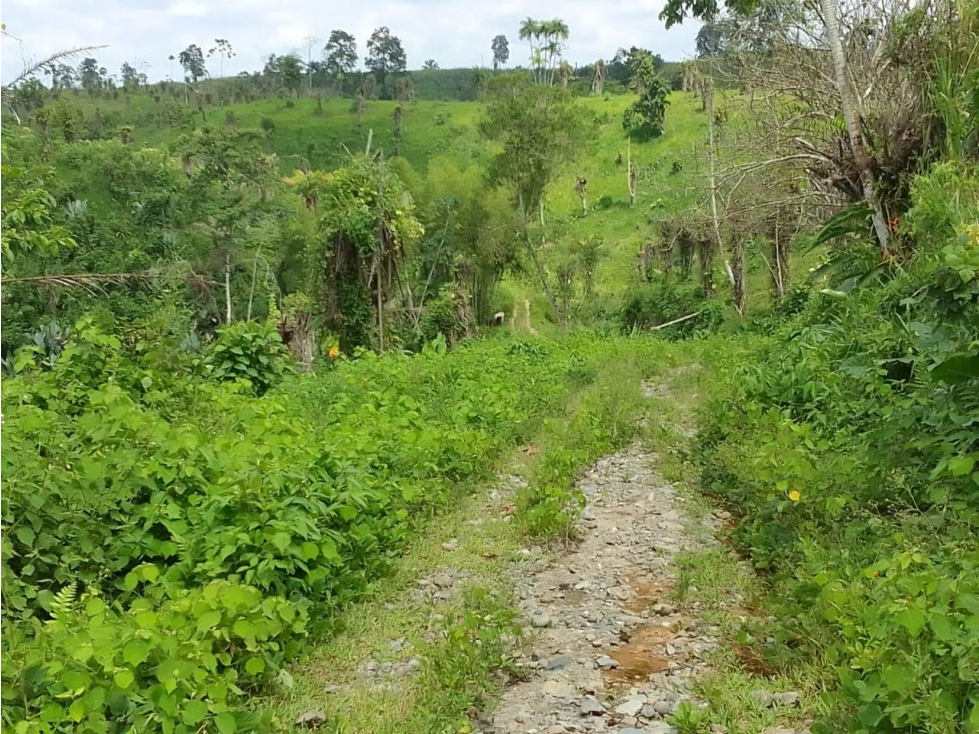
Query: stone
(590, 707)
(450, 545)
(443, 581)
(631, 706)
(632, 730)
(648, 712)
(311, 719)
(541, 620)
(606, 663)
(560, 662)
(663, 707)
(790, 698)
(718, 729)
(558, 689)
(588, 514)
(778, 730)
(661, 727)
(557, 729)
(663, 610)
(763, 698)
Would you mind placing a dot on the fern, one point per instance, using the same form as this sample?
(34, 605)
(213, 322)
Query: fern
(65, 601)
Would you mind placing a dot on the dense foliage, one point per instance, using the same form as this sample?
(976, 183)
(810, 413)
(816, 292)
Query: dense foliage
(847, 440)
(169, 538)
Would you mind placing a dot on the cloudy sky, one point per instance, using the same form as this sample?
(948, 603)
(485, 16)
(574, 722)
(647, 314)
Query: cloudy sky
(453, 32)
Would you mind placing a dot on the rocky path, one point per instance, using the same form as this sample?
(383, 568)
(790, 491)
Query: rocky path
(616, 648)
(614, 654)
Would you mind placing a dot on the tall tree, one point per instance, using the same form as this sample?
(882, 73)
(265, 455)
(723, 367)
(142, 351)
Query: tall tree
(385, 55)
(538, 129)
(501, 51)
(340, 55)
(129, 76)
(192, 59)
(287, 69)
(223, 49)
(91, 75)
(710, 40)
(851, 116)
(546, 38)
(430, 64)
(530, 31)
(308, 43)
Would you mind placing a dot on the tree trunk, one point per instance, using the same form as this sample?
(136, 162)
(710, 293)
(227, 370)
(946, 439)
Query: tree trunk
(251, 291)
(227, 286)
(852, 119)
(736, 272)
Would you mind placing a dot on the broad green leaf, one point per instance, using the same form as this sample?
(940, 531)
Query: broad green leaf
(942, 627)
(255, 665)
(959, 466)
(226, 723)
(194, 712)
(899, 678)
(960, 368)
(911, 619)
(208, 620)
(25, 535)
(124, 678)
(135, 652)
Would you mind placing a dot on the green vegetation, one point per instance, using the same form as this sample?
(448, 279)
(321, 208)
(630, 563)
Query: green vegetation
(253, 354)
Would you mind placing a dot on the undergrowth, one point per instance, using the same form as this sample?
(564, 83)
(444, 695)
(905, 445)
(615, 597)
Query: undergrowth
(846, 440)
(170, 539)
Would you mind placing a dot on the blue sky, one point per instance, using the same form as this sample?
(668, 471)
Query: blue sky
(453, 32)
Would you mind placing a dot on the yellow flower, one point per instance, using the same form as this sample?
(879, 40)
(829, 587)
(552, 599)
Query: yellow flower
(333, 352)
(794, 495)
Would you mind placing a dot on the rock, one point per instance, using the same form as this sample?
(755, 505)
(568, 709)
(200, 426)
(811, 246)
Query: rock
(631, 706)
(311, 719)
(590, 707)
(790, 698)
(663, 707)
(606, 663)
(541, 620)
(763, 698)
(663, 610)
(558, 689)
(718, 729)
(778, 730)
(588, 514)
(661, 727)
(648, 712)
(450, 545)
(632, 730)
(560, 662)
(443, 581)
(557, 729)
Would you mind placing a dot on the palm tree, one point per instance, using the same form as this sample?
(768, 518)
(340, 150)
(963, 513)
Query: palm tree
(8, 92)
(530, 31)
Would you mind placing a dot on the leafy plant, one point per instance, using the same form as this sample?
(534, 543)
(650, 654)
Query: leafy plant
(248, 351)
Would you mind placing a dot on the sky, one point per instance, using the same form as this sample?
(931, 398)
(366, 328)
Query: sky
(456, 33)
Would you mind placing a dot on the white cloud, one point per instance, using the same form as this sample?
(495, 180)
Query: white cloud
(456, 33)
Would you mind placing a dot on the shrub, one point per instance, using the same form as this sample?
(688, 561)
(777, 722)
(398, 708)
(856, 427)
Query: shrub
(248, 351)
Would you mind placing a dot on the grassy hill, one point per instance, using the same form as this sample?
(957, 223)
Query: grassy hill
(434, 129)
(319, 133)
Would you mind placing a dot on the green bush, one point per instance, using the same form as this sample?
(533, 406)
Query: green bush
(248, 351)
(648, 306)
(849, 449)
(170, 539)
